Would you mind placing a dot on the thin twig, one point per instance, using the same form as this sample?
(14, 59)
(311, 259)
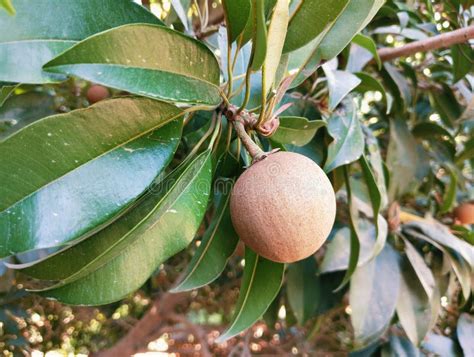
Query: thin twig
(433, 43)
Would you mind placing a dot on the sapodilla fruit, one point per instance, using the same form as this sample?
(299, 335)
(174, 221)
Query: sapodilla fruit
(96, 93)
(464, 213)
(283, 207)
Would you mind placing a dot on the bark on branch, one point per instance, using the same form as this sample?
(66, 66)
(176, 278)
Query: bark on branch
(433, 43)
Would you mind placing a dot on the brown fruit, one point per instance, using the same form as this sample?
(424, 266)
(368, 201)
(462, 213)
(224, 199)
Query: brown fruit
(96, 93)
(465, 213)
(283, 207)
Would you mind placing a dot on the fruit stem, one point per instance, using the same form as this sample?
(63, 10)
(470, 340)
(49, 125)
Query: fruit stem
(253, 149)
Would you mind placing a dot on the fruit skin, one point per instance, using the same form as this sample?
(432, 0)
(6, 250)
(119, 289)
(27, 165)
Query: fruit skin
(96, 93)
(283, 207)
(464, 213)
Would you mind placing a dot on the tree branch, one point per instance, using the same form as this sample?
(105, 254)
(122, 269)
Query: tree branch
(433, 43)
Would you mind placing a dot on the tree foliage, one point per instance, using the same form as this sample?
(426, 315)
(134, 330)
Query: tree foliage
(95, 200)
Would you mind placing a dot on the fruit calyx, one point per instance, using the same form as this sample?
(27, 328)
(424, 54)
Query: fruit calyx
(243, 120)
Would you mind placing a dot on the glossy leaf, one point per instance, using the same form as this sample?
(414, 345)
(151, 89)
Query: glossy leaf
(260, 284)
(105, 244)
(23, 109)
(167, 229)
(131, 58)
(353, 18)
(297, 130)
(348, 143)
(413, 305)
(373, 296)
(216, 247)
(237, 13)
(38, 33)
(303, 289)
(259, 45)
(369, 44)
(310, 19)
(340, 84)
(54, 168)
(275, 41)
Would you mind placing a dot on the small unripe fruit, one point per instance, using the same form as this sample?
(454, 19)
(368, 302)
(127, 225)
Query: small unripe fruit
(283, 207)
(465, 213)
(96, 93)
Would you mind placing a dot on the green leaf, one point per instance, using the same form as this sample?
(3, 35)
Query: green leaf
(131, 58)
(259, 45)
(398, 84)
(5, 92)
(461, 267)
(260, 284)
(355, 235)
(237, 13)
(449, 197)
(423, 272)
(67, 173)
(445, 103)
(337, 254)
(462, 56)
(413, 305)
(40, 31)
(404, 160)
(340, 84)
(217, 245)
(303, 289)
(309, 20)
(8, 6)
(21, 110)
(353, 18)
(348, 143)
(374, 158)
(376, 200)
(275, 40)
(373, 296)
(429, 130)
(165, 230)
(442, 235)
(103, 245)
(369, 44)
(297, 130)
